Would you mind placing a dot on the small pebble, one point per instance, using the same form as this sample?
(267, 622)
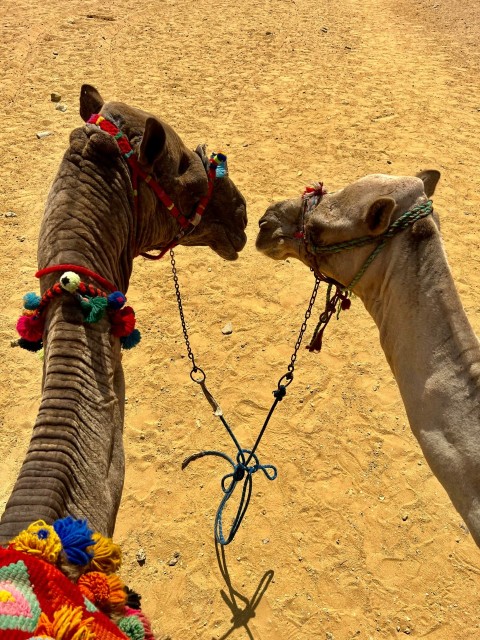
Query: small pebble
(141, 557)
(175, 558)
(405, 517)
(265, 541)
(10, 214)
(14, 343)
(61, 107)
(325, 29)
(55, 97)
(227, 329)
(44, 134)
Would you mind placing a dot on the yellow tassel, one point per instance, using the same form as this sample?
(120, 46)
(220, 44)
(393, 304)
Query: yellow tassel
(67, 624)
(39, 539)
(107, 556)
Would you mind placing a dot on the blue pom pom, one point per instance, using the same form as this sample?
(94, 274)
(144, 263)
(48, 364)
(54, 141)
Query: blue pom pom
(31, 301)
(130, 341)
(116, 300)
(76, 537)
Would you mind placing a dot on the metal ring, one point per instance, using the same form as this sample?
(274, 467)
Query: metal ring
(288, 377)
(201, 373)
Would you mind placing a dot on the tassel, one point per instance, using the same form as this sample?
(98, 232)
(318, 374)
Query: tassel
(130, 341)
(76, 537)
(30, 327)
(93, 308)
(123, 322)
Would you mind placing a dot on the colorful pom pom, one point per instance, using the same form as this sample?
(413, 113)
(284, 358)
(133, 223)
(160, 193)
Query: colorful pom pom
(219, 160)
(116, 300)
(143, 619)
(76, 537)
(30, 328)
(123, 322)
(29, 345)
(31, 301)
(132, 627)
(130, 341)
(107, 556)
(39, 539)
(93, 308)
(70, 281)
(94, 586)
(134, 600)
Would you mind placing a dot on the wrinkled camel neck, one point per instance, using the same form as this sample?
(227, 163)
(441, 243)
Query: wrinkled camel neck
(89, 220)
(435, 358)
(75, 461)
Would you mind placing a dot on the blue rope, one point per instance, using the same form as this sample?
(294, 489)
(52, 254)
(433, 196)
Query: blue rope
(242, 472)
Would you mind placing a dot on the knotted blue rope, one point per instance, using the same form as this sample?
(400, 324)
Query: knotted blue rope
(242, 470)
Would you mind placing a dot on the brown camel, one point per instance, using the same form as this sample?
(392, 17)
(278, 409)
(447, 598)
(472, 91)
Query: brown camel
(75, 461)
(409, 291)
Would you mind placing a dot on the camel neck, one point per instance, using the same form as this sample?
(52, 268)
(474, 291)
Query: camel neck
(424, 331)
(435, 358)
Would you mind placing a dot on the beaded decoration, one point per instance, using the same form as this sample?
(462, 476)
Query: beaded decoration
(38, 601)
(94, 304)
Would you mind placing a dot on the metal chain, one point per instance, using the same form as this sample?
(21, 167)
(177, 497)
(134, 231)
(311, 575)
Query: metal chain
(291, 367)
(191, 357)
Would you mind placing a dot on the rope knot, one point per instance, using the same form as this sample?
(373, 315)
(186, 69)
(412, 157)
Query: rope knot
(239, 472)
(280, 393)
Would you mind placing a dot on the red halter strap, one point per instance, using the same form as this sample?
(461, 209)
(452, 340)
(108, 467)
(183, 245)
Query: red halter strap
(187, 224)
(77, 269)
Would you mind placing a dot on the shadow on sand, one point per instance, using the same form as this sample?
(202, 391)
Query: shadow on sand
(241, 607)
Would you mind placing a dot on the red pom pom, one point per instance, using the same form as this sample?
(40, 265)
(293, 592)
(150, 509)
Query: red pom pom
(123, 322)
(30, 328)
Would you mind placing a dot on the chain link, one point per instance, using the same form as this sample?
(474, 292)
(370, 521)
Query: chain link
(303, 328)
(182, 317)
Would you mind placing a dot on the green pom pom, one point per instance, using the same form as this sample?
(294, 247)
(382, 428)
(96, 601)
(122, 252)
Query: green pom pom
(132, 627)
(93, 308)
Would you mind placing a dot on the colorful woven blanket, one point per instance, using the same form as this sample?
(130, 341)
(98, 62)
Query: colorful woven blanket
(39, 602)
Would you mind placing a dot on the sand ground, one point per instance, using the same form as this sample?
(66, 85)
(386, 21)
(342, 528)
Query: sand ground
(356, 538)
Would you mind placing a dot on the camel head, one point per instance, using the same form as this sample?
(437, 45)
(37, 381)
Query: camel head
(180, 172)
(364, 208)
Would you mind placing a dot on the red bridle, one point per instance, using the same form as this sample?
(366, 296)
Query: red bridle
(187, 224)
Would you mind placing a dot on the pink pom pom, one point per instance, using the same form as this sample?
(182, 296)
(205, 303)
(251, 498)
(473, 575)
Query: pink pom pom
(30, 328)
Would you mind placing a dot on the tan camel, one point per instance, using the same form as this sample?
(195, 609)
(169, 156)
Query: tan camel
(75, 462)
(409, 291)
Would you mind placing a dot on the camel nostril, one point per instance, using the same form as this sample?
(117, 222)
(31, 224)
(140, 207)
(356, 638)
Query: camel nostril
(262, 223)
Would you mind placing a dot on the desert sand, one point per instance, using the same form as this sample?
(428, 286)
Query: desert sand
(356, 538)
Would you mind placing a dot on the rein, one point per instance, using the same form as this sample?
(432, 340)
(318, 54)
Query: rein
(187, 224)
(246, 462)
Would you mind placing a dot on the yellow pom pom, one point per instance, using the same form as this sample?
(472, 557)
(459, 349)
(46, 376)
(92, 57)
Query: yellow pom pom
(70, 281)
(67, 624)
(39, 539)
(107, 556)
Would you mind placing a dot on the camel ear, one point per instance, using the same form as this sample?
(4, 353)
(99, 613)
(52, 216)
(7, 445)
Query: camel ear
(379, 215)
(90, 101)
(430, 179)
(153, 142)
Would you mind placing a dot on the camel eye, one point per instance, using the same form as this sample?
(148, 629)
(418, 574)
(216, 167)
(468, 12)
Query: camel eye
(184, 165)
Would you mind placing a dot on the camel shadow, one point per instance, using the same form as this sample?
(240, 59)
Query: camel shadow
(241, 607)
